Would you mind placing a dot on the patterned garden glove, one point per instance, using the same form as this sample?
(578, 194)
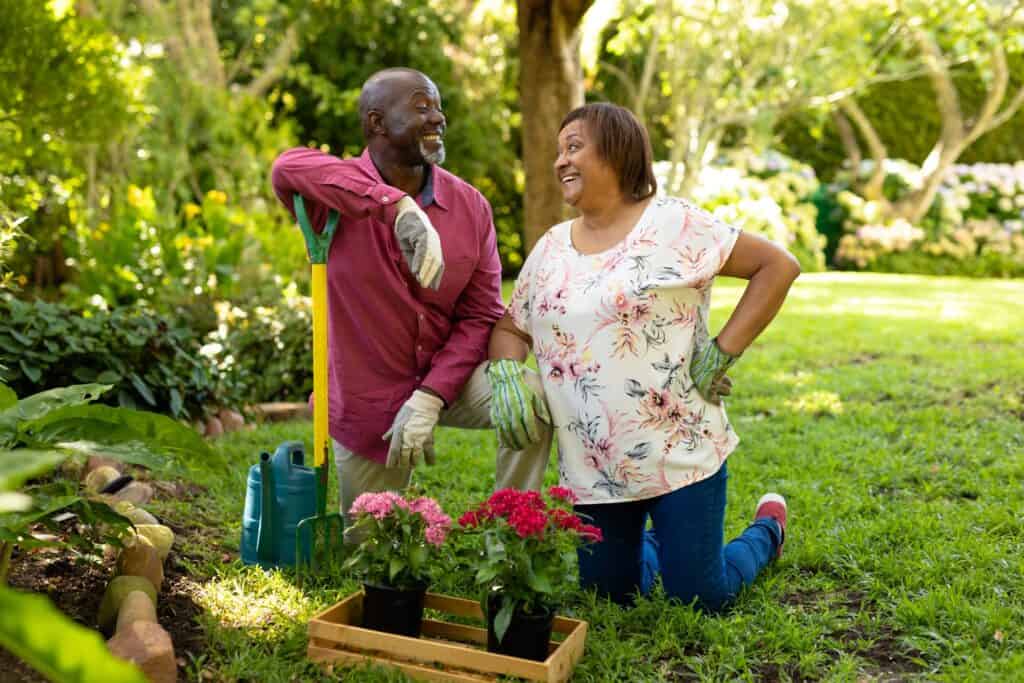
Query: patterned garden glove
(420, 243)
(515, 408)
(707, 370)
(412, 432)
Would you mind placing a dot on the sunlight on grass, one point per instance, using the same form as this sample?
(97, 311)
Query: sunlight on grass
(262, 603)
(817, 403)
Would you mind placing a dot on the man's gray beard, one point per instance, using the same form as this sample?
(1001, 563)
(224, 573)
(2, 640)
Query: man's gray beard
(436, 158)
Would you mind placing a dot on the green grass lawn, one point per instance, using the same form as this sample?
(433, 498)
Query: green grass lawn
(889, 410)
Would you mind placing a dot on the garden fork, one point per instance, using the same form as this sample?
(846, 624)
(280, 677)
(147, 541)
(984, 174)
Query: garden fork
(319, 539)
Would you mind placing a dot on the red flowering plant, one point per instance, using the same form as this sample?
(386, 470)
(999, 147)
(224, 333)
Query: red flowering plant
(400, 538)
(529, 544)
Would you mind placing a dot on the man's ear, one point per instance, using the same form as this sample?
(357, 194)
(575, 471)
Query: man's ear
(376, 120)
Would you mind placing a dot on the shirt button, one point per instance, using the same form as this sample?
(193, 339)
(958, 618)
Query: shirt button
(418, 378)
(385, 199)
(421, 316)
(419, 347)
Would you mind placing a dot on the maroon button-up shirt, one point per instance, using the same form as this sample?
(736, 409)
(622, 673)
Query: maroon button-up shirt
(387, 335)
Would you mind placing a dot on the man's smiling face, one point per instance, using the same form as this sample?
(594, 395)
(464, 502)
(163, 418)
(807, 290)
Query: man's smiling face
(415, 123)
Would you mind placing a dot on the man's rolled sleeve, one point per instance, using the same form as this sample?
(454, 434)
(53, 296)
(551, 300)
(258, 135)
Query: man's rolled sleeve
(478, 308)
(327, 182)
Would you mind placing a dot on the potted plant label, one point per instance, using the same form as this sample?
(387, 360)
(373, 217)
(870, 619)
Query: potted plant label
(524, 563)
(400, 541)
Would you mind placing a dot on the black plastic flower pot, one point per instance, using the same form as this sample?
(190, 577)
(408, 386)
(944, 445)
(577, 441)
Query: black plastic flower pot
(394, 610)
(527, 636)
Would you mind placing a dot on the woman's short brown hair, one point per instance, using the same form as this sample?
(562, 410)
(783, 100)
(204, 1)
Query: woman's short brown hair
(622, 141)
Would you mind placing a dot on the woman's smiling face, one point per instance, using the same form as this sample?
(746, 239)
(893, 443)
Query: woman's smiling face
(584, 176)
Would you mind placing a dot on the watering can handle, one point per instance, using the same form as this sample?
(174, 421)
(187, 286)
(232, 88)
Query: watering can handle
(266, 539)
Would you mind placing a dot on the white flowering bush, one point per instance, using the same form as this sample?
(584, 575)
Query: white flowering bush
(263, 352)
(767, 194)
(974, 227)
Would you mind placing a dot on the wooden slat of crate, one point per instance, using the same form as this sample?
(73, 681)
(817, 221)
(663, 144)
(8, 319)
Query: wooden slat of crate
(335, 637)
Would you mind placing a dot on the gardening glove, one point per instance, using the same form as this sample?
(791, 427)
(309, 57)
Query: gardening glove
(707, 370)
(412, 432)
(515, 408)
(420, 243)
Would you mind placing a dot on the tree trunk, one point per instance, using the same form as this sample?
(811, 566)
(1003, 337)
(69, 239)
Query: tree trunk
(550, 85)
(872, 189)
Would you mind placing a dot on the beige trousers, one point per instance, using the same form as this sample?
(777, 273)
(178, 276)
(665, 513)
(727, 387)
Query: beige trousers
(521, 469)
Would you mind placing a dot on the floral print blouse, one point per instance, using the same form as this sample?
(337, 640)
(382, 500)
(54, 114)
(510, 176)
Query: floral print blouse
(613, 333)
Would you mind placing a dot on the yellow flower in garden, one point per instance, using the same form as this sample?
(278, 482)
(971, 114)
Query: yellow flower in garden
(136, 196)
(217, 197)
(191, 211)
(22, 280)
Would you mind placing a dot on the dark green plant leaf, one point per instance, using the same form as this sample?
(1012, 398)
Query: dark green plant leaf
(142, 388)
(38, 634)
(31, 371)
(503, 618)
(176, 402)
(20, 465)
(396, 567)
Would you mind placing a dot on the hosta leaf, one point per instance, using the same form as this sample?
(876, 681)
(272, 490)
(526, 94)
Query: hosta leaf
(7, 397)
(103, 424)
(14, 522)
(38, 634)
(38, 405)
(12, 501)
(134, 452)
(20, 465)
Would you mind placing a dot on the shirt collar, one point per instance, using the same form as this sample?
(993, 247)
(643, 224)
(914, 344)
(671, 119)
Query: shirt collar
(434, 189)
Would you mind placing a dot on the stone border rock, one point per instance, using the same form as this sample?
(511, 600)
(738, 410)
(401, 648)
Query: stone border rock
(127, 613)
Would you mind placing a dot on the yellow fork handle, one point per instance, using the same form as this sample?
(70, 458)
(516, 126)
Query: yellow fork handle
(320, 398)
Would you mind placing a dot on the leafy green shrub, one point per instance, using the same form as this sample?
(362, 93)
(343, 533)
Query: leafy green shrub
(813, 138)
(975, 227)
(152, 361)
(767, 194)
(209, 251)
(265, 353)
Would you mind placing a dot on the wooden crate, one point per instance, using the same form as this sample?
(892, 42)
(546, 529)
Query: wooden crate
(445, 651)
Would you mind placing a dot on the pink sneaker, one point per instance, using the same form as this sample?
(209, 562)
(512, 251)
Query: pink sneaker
(774, 506)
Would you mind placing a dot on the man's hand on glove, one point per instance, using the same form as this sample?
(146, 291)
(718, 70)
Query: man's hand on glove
(707, 370)
(412, 432)
(515, 408)
(420, 243)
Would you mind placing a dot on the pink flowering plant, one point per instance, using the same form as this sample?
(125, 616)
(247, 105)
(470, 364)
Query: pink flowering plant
(401, 538)
(527, 550)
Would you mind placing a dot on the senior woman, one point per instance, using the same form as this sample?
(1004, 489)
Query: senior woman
(614, 304)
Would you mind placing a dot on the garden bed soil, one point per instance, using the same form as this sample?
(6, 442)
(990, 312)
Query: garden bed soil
(76, 589)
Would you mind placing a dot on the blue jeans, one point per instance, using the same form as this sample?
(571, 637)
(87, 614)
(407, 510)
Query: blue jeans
(685, 547)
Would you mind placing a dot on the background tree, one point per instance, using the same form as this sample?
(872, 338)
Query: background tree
(550, 84)
(937, 38)
(700, 69)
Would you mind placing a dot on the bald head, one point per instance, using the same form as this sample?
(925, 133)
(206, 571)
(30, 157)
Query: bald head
(382, 90)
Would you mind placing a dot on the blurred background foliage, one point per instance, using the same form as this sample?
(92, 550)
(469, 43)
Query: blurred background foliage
(136, 138)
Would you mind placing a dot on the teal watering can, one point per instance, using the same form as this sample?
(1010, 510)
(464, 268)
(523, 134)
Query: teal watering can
(281, 491)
